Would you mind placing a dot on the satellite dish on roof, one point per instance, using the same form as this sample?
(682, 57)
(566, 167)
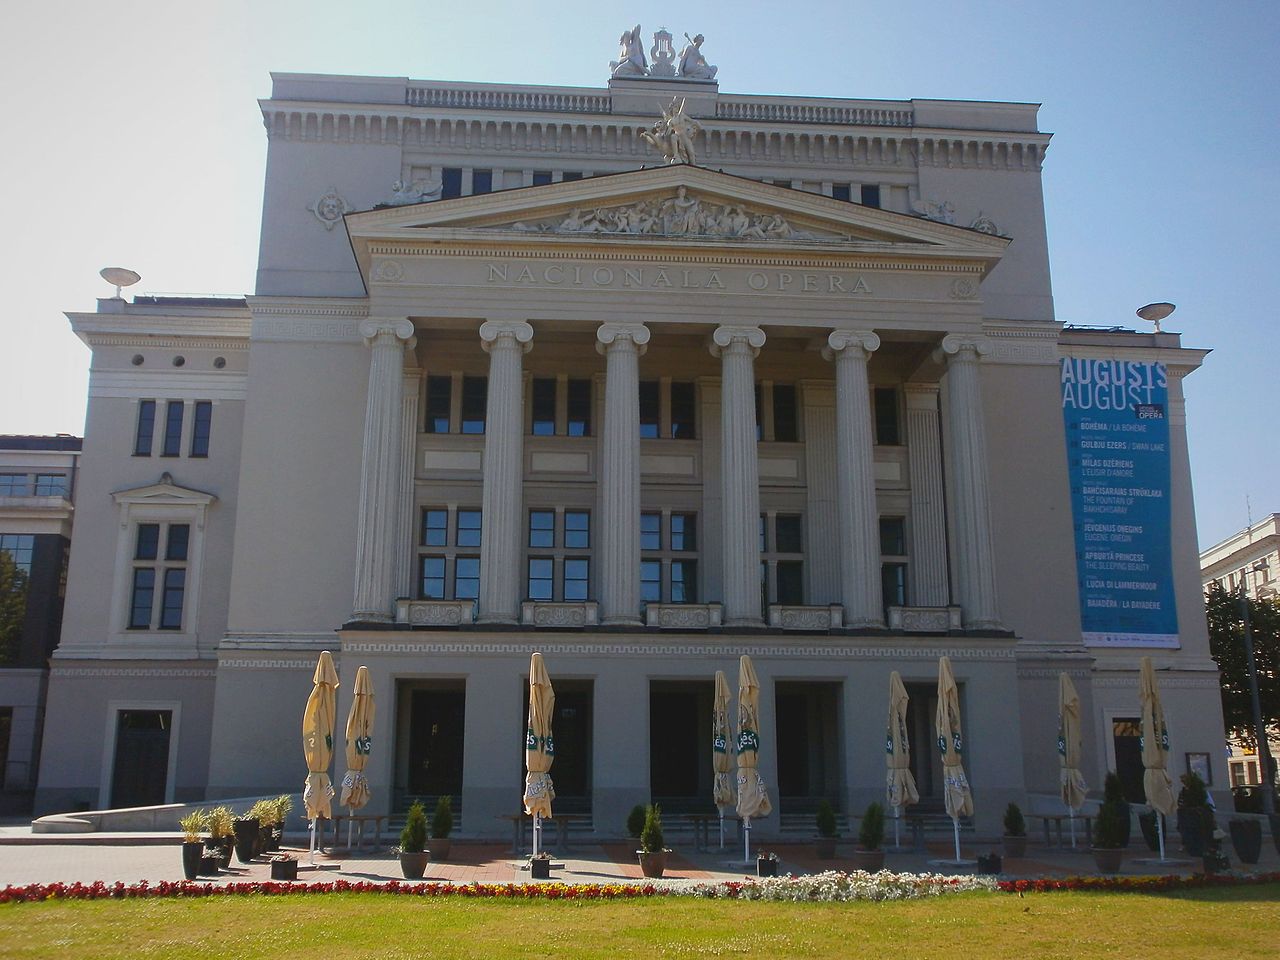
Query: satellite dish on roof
(120, 276)
(1155, 312)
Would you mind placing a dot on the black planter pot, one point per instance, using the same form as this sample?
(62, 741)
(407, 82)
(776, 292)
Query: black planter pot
(766, 867)
(1128, 827)
(540, 868)
(209, 863)
(248, 833)
(1246, 837)
(414, 865)
(1194, 829)
(284, 869)
(191, 855)
(222, 851)
(990, 864)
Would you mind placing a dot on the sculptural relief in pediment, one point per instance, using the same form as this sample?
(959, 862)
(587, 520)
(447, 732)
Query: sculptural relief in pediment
(680, 215)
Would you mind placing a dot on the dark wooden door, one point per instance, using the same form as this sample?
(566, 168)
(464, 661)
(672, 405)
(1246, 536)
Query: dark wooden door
(141, 768)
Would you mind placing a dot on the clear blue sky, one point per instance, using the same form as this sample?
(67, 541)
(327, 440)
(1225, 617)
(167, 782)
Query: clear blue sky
(132, 138)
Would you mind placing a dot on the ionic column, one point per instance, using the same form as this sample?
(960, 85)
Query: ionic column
(406, 524)
(622, 345)
(739, 472)
(967, 466)
(855, 479)
(501, 540)
(380, 480)
(928, 584)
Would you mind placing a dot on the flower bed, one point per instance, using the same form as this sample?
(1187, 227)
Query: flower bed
(1150, 884)
(830, 886)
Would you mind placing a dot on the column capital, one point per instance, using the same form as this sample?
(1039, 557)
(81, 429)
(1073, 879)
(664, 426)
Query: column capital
(722, 337)
(839, 341)
(374, 327)
(959, 346)
(493, 330)
(609, 333)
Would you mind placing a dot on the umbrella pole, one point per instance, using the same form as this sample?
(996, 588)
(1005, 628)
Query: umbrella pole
(746, 839)
(1160, 834)
(1071, 819)
(311, 847)
(897, 825)
(722, 830)
(956, 824)
(351, 812)
(537, 832)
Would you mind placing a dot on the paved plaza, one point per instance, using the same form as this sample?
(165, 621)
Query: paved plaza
(27, 858)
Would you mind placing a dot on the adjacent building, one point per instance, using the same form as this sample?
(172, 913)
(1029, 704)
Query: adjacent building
(510, 382)
(37, 488)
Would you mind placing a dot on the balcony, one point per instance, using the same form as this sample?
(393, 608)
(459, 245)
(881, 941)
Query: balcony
(821, 619)
(682, 616)
(435, 613)
(925, 619)
(560, 616)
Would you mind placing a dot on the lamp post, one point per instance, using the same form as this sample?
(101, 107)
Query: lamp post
(1259, 726)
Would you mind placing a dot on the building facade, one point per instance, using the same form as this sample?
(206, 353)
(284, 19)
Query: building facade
(37, 489)
(509, 382)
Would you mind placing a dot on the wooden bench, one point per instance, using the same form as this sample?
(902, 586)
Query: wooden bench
(562, 821)
(935, 823)
(1056, 820)
(361, 821)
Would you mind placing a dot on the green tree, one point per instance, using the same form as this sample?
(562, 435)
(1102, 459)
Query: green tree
(1226, 644)
(13, 605)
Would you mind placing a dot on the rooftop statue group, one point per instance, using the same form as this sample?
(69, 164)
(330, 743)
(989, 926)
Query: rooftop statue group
(631, 62)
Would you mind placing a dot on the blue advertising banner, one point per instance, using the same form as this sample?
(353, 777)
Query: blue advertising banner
(1116, 417)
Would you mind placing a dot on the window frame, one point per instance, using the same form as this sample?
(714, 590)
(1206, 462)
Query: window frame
(664, 556)
(773, 558)
(552, 547)
(457, 551)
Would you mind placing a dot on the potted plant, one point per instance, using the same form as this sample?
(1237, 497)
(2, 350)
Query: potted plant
(248, 831)
(825, 821)
(192, 843)
(441, 827)
(635, 821)
(1112, 828)
(413, 843)
(652, 852)
(868, 856)
(1195, 819)
(264, 812)
(281, 806)
(222, 834)
(1246, 837)
(766, 864)
(284, 867)
(990, 864)
(1015, 832)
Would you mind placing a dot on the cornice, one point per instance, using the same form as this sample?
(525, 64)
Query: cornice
(132, 340)
(213, 330)
(319, 307)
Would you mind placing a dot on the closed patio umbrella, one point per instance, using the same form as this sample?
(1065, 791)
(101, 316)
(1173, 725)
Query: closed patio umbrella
(539, 747)
(900, 785)
(723, 791)
(1072, 786)
(317, 742)
(753, 798)
(959, 801)
(355, 785)
(1155, 749)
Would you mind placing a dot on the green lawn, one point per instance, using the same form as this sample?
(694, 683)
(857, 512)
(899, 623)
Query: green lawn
(1196, 925)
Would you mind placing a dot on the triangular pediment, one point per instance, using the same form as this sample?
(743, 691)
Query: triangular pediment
(165, 492)
(678, 205)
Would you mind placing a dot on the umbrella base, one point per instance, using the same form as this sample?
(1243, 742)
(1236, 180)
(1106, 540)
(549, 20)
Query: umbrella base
(953, 863)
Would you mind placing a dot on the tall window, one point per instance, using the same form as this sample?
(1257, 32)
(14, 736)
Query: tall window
(172, 445)
(669, 557)
(541, 178)
(840, 191)
(51, 485)
(474, 399)
(871, 195)
(888, 426)
(782, 559)
(544, 406)
(14, 485)
(559, 559)
(146, 428)
(439, 404)
(559, 406)
(893, 562)
(447, 566)
(159, 575)
(20, 547)
(777, 412)
(668, 409)
(481, 181)
(450, 182)
(578, 408)
(201, 428)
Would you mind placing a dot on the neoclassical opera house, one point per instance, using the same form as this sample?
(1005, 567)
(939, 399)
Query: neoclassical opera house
(511, 382)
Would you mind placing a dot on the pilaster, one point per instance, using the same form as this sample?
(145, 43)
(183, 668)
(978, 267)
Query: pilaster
(928, 584)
